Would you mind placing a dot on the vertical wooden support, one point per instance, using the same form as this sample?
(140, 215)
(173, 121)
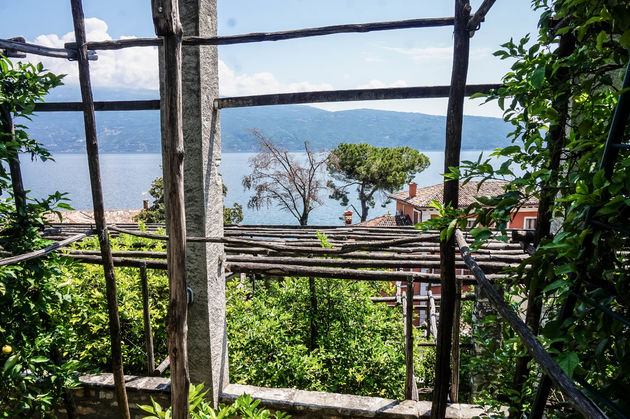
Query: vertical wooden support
(313, 313)
(6, 122)
(411, 389)
(432, 317)
(99, 210)
(148, 334)
(167, 25)
(454, 118)
(455, 350)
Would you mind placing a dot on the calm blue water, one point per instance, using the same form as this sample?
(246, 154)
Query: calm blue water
(127, 179)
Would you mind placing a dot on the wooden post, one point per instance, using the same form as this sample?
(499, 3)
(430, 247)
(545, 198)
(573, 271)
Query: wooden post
(455, 354)
(454, 118)
(99, 210)
(14, 163)
(148, 334)
(313, 313)
(411, 389)
(167, 25)
(432, 318)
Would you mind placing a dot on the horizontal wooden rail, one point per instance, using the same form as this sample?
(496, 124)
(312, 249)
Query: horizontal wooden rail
(273, 36)
(46, 250)
(114, 105)
(69, 54)
(423, 92)
(582, 403)
(392, 298)
(340, 273)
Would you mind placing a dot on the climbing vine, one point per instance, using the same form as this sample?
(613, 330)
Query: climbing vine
(560, 96)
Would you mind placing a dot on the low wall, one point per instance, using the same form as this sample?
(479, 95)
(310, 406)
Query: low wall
(96, 399)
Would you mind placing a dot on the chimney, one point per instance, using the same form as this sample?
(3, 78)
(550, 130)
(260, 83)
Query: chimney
(413, 186)
(145, 204)
(348, 216)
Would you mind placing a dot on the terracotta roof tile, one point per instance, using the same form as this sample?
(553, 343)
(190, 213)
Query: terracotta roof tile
(387, 221)
(467, 193)
(111, 216)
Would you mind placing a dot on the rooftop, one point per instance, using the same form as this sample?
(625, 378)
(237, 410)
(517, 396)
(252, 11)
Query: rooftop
(467, 193)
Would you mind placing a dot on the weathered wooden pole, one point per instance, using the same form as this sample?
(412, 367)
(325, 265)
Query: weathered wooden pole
(6, 122)
(91, 145)
(167, 25)
(455, 355)
(411, 389)
(146, 315)
(454, 118)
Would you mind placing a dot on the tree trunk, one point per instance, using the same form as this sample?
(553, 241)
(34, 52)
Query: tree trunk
(313, 314)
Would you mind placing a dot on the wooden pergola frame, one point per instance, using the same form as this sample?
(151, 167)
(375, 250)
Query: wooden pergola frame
(170, 36)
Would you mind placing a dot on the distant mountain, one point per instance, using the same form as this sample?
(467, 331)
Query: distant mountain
(130, 132)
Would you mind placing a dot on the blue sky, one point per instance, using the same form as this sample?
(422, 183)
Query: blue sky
(410, 57)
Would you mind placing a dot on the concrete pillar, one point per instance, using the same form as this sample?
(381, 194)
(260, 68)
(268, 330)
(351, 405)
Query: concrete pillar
(207, 338)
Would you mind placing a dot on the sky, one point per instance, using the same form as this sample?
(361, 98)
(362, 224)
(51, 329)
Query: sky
(399, 58)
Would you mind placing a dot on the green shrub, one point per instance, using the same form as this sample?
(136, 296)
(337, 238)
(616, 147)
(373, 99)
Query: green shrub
(243, 407)
(89, 317)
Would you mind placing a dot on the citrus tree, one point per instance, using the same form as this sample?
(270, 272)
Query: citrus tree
(33, 300)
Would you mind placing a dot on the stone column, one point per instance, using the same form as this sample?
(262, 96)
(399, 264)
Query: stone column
(207, 339)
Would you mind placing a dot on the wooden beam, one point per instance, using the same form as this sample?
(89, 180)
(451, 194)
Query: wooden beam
(423, 92)
(11, 53)
(479, 15)
(578, 400)
(273, 36)
(46, 250)
(91, 144)
(70, 54)
(454, 120)
(115, 105)
(167, 25)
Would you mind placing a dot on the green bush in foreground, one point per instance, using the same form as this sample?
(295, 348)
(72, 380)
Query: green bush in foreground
(243, 407)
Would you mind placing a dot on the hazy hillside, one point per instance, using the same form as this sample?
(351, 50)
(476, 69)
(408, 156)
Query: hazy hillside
(128, 132)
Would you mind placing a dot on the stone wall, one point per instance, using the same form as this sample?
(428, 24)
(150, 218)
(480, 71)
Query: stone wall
(96, 399)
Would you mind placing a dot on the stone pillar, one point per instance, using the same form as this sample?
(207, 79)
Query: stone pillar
(207, 338)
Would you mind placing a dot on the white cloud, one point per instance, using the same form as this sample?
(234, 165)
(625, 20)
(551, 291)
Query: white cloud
(378, 84)
(232, 84)
(130, 68)
(137, 68)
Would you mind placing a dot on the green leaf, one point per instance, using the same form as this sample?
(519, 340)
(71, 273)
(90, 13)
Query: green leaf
(10, 363)
(39, 359)
(538, 77)
(625, 39)
(568, 361)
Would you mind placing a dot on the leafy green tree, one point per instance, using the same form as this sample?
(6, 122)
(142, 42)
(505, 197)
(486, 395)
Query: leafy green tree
(157, 212)
(372, 170)
(34, 302)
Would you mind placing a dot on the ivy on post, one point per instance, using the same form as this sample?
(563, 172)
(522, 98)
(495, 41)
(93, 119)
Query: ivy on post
(167, 25)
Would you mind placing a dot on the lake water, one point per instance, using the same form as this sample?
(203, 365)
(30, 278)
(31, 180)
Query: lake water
(127, 179)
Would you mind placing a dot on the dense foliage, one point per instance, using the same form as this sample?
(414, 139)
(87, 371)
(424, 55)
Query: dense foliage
(371, 170)
(359, 345)
(33, 299)
(88, 314)
(559, 97)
